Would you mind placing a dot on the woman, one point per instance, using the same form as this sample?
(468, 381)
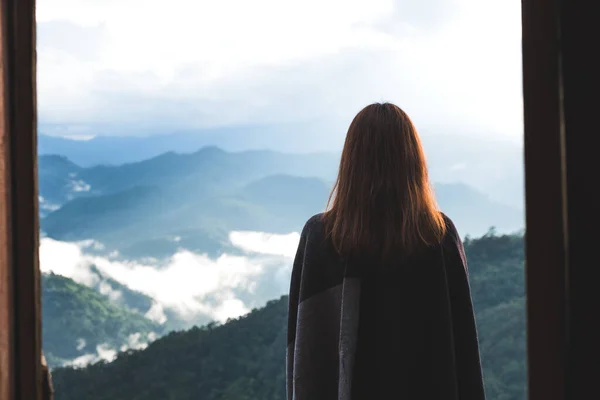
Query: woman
(380, 305)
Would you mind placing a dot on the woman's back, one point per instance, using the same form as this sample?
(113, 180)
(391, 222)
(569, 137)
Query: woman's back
(406, 342)
(380, 305)
(360, 330)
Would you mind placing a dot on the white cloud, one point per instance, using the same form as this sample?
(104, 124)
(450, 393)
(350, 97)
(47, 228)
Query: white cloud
(44, 205)
(186, 281)
(156, 313)
(452, 64)
(230, 308)
(193, 285)
(80, 344)
(106, 289)
(225, 35)
(90, 244)
(79, 186)
(66, 259)
(134, 342)
(103, 352)
(83, 138)
(265, 243)
(106, 352)
(82, 361)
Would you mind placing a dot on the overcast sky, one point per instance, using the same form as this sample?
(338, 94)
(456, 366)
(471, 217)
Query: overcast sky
(453, 65)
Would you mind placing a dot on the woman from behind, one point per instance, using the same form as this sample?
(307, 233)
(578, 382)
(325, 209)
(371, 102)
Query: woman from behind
(380, 305)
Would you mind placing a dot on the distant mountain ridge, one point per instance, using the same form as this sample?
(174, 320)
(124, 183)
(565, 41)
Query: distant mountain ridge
(118, 150)
(492, 165)
(202, 196)
(170, 166)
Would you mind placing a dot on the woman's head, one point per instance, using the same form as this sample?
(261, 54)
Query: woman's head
(382, 202)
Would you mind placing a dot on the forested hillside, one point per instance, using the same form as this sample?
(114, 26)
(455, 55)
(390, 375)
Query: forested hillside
(245, 359)
(77, 320)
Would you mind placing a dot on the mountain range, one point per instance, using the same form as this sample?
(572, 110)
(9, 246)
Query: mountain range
(138, 208)
(490, 165)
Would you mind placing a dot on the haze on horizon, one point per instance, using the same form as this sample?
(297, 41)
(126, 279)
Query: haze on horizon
(140, 67)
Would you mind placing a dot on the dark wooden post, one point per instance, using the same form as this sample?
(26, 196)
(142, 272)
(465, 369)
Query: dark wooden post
(561, 90)
(20, 325)
(544, 182)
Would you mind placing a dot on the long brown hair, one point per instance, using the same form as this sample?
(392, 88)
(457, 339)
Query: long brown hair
(382, 203)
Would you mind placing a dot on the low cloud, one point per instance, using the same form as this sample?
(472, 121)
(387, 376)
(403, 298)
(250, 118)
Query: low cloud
(66, 259)
(46, 206)
(104, 352)
(108, 353)
(136, 342)
(80, 186)
(156, 313)
(106, 289)
(194, 286)
(80, 344)
(90, 244)
(266, 243)
(189, 282)
(82, 361)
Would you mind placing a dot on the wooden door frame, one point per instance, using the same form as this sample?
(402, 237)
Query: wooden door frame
(20, 316)
(561, 88)
(546, 260)
(562, 224)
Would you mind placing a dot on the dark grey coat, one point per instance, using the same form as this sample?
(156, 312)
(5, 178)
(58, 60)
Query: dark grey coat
(359, 331)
